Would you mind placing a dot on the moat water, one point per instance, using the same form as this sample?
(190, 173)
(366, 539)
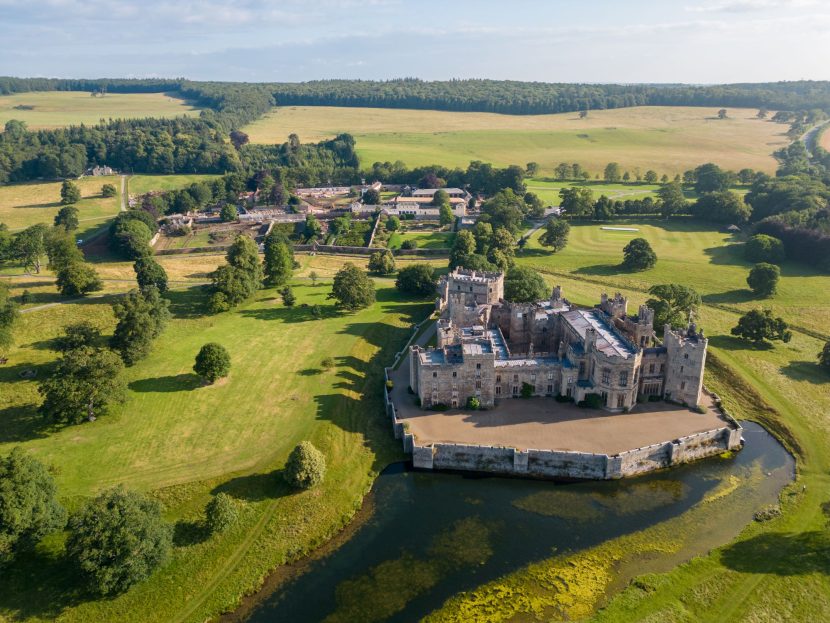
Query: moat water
(432, 535)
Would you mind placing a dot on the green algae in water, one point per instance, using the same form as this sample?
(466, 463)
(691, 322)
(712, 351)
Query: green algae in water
(581, 504)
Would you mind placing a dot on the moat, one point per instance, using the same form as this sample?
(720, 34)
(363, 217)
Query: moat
(433, 535)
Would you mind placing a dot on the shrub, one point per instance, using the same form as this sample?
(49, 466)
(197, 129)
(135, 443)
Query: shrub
(108, 190)
(591, 401)
(561, 398)
(767, 513)
(409, 244)
(701, 409)
(306, 466)
(527, 390)
(763, 279)
(473, 403)
(327, 363)
(212, 362)
(417, 279)
(228, 213)
(221, 513)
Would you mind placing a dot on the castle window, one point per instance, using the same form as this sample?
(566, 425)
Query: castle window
(498, 378)
(454, 374)
(550, 389)
(686, 356)
(478, 384)
(606, 376)
(581, 368)
(662, 368)
(550, 376)
(651, 368)
(515, 377)
(498, 390)
(620, 401)
(681, 369)
(624, 378)
(434, 375)
(532, 377)
(515, 390)
(683, 386)
(478, 366)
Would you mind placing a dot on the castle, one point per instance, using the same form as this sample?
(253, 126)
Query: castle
(490, 349)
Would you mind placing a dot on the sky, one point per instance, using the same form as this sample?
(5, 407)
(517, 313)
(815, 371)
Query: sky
(622, 41)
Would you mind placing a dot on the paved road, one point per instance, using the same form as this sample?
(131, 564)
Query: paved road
(809, 135)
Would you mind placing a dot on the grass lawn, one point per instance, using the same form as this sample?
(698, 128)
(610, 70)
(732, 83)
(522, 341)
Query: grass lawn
(666, 139)
(57, 109)
(425, 239)
(140, 184)
(775, 571)
(182, 441)
(22, 205)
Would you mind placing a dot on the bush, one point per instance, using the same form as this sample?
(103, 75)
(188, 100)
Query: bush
(763, 279)
(591, 401)
(473, 403)
(118, 539)
(390, 385)
(767, 513)
(561, 398)
(701, 409)
(409, 244)
(212, 362)
(306, 466)
(228, 213)
(527, 390)
(763, 248)
(221, 513)
(327, 363)
(108, 190)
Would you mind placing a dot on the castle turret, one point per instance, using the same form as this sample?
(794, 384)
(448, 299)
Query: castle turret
(644, 329)
(616, 307)
(556, 300)
(685, 361)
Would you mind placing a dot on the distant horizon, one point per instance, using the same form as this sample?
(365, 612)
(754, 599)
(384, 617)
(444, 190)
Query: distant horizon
(596, 42)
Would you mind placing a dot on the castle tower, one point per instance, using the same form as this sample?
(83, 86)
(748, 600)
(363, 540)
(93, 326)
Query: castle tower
(556, 300)
(616, 307)
(644, 329)
(685, 361)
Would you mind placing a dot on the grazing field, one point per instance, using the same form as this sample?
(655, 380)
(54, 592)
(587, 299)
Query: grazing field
(140, 184)
(824, 138)
(57, 109)
(22, 205)
(666, 139)
(182, 441)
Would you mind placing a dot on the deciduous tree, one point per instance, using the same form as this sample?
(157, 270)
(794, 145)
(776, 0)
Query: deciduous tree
(672, 303)
(763, 248)
(763, 279)
(118, 539)
(524, 285)
(85, 382)
(142, 316)
(70, 193)
(555, 234)
(352, 288)
(305, 467)
(221, 513)
(638, 255)
(759, 326)
(382, 263)
(279, 260)
(417, 279)
(78, 279)
(67, 218)
(612, 172)
(213, 362)
(148, 272)
(108, 190)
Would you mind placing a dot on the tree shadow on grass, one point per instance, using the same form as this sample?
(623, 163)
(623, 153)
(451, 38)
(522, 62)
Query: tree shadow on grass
(603, 270)
(291, 314)
(310, 371)
(178, 383)
(781, 554)
(187, 533)
(730, 342)
(41, 585)
(23, 423)
(188, 303)
(256, 487)
(729, 297)
(809, 371)
(728, 254)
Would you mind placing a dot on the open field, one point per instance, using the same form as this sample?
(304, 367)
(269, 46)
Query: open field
(425, 239)
(182, 441)
(140, 184)
(775, 571)
(824, 138)
(57, 109)
(22, 205)
(666, 139)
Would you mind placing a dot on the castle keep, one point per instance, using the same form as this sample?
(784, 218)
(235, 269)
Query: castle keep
(490, 349)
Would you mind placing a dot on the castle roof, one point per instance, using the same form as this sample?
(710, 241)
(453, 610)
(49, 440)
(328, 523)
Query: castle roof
(609, 342)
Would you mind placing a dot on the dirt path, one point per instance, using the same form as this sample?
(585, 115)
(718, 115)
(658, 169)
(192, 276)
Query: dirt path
(123, 193)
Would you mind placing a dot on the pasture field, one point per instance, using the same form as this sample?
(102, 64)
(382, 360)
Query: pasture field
(425, 239)
(141, 184)
(58, 109)
(824, 138)
(22, 205)
(666, 139)
(181, 441)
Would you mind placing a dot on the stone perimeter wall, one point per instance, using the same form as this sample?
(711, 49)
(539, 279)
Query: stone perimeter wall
(561, 464)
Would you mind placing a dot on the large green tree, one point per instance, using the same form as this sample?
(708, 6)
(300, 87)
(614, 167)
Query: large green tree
(417, 279)
(672, 304)
(67, 218)
(29, 507)
(763, 279)
(721, 207)
(29, 246)
(576, 202)
(118, 539)
(524, 285)
(763, 248)
(382, 262)
(612, 172)
(352, 288)
(236, 281)
(710, 178)
(78, 279)
(672, 200)
(305, 467)
(279, 260)
(463, 246)
(148, 272)
(504, 209)
(70, 193)
(213, 362)
(555, 234)
(760, 326)
(638, 255)
(84, 383)
(142, 316)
